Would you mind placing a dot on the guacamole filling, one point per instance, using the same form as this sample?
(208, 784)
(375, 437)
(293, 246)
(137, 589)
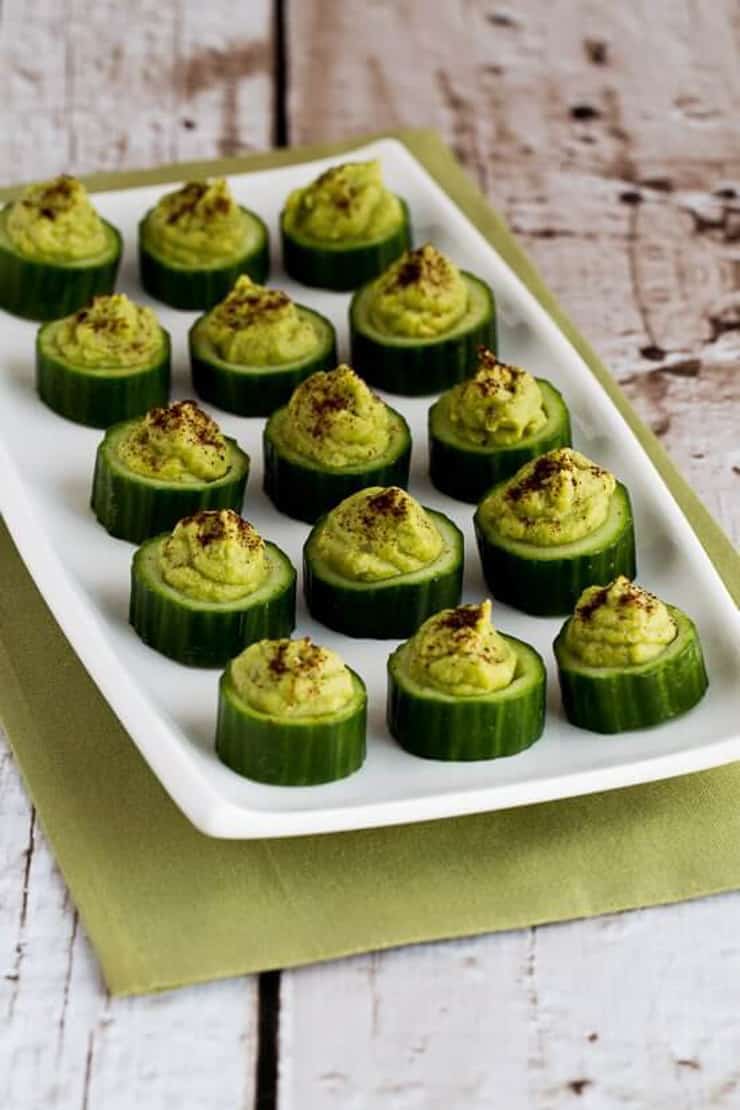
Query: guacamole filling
(176, 443)
(555, 499)
(421, 295)
(619, 625)
(334, 419)
(56, 222)
(378, 533)
(499, 406)
(214, 556)
(346, 204)
(459, 653)
(255, 326)
(111, 333)
(292, 679)
(199, 224)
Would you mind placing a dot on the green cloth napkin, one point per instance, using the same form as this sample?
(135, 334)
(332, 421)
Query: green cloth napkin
(165, 905)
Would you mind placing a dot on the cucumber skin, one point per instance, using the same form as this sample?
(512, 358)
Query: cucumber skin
(99, 400)
(552, 588)
(620, 701)
(135, 510)
(377, 611)
(469, 728)
(43, 291)
(251, 394)
(468, 475)
(307, 492)
(204, 637)
(270, 751)
(342, 270)
(200, 288)
(415, 371)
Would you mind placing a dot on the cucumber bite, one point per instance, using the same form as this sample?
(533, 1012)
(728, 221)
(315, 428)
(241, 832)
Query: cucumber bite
(107, 362)
(380, 563)
(195, 243)
(151, 472)
(290, 713)
(627, 660)
(249, 352)
(418, 327)
(484, 429)
(560, 524)
(56, 252)
(458, 689)
(344, 228)
(334, 437)
(205, 591)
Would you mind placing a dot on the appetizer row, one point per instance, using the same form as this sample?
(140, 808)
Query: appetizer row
(56, 251)
(110, 359)
(292, 713)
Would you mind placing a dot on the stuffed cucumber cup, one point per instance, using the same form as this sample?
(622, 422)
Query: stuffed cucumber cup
(290, 713)
(484, 429)
(458, 689)
(379, 564)
(418, 327)
(55, 251)
(344, 228)
(334, 437)
(107, 362)
(560, 524)
(203, 592)
(196, 241)
(249, 352)
(152, 471)
(627, 660)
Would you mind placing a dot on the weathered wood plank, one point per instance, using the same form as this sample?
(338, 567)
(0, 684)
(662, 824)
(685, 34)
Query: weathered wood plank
(83, 86)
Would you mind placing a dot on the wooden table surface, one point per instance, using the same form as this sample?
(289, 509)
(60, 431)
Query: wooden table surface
(609, 135)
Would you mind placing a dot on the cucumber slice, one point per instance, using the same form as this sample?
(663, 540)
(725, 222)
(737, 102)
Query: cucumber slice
(133, 507)
(40, 290)
(290, 752)
(466, 472)
(614, 699)
(392, 608)
(256, 390)
(201, 287)
(547, 581)
(436, 726)
(417, 366)
(99, 397)
(208, 634)
(304, 490)
(342, 266)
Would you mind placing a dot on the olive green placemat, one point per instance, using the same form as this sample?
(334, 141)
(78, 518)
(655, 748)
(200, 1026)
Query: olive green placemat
(165, 906)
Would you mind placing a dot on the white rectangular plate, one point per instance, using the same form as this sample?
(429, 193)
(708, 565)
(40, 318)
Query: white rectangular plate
(169, 710)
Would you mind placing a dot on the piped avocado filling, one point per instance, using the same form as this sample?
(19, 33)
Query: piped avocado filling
(458, 652)
(214, 556)
(255, 326)
(176, 443)
(619, 625)
(198, 224)
(56, 221)
(555, 499)
(421, 295)
(335, 420)
(378, 533)
(112, 332)
(292, 679)
(498, 406)
(346, 204)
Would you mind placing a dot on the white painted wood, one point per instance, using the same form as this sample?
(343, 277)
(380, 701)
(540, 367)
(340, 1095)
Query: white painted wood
(505, 1021)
